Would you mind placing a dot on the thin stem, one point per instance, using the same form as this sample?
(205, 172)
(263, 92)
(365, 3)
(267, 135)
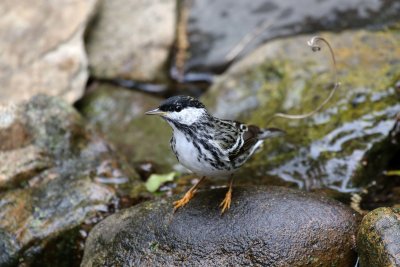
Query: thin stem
(313, 43)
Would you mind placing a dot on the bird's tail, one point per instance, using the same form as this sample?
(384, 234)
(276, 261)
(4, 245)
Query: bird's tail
(271, 132)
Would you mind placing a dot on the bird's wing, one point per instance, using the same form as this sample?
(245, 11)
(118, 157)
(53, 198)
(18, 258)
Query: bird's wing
(226, 134)
(250, 135)
(236, 138)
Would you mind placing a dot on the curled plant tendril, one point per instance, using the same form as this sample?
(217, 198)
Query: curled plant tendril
(315, 47)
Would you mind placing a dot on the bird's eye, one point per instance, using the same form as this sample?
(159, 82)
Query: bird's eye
(178, 108)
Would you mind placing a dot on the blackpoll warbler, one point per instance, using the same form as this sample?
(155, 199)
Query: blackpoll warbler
(209, 146)
(206, 145)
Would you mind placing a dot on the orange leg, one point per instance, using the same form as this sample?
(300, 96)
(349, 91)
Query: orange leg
(226, 203)
(188, 196)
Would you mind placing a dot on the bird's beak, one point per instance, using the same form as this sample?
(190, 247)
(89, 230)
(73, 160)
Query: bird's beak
(156, 112)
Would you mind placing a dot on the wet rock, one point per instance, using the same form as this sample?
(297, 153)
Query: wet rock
(119, 114)
(131, 39)
(217, 28)
(61, 176)
(286, 76)
(43, 53)
(378, 240)
(272, 226)
(375, 172)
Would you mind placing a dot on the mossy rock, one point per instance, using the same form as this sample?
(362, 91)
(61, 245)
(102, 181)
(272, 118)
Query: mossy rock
(286, 76)
(378, 239)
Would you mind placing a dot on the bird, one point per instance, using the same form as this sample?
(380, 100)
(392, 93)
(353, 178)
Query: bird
(209, 146)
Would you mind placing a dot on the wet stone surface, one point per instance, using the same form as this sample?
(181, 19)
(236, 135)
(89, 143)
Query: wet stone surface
(272, 226)
(56, 175)
(378, 240)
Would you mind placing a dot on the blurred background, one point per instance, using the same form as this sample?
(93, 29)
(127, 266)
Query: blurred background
(76, 77)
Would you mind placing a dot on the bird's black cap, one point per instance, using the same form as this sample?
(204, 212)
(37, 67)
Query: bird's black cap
(177, 103)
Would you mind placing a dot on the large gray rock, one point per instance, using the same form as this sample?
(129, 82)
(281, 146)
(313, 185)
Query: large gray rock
(131, 39)
(215, 28)
(55, 174)
(42, 48)
(264, 227)
(328, 148)
(378, 240)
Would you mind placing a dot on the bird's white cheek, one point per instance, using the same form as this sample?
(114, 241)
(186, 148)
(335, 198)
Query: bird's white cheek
(174, 116)
(191, 115)
(187, 116)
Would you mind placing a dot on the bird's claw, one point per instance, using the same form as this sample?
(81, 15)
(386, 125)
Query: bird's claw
(183, 201)
(226, 203)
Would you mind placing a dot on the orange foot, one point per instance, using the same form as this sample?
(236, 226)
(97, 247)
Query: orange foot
(183, 201)
(226, 203)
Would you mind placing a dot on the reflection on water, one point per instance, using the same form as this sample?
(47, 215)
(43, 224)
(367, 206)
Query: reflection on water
(318, 163)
